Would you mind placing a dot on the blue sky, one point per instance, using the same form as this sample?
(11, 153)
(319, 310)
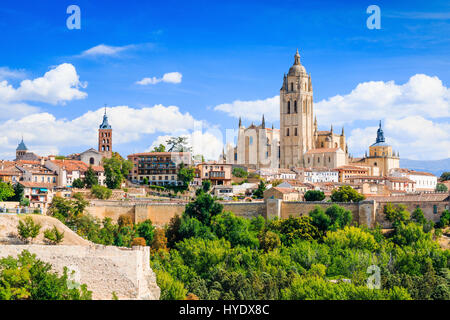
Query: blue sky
(226, 52)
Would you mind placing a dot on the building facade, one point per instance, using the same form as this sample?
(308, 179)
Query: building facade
(105, 138)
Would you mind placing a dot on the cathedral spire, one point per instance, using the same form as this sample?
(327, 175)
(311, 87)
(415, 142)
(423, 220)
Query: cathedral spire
(240, 122)
(331, 130)
(380, 134)
(342, 133)
(263, 124)
(297, 58)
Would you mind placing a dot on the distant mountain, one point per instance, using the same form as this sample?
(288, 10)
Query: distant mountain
(435, 167)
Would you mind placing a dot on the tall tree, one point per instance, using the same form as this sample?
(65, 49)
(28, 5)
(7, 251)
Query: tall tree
(6, 191)
(160, 148)
(178, 144)
(90, 178)
(116, 170)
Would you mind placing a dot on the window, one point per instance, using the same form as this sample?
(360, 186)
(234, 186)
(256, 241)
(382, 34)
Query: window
(287, 132)
(289, 107)
(318, 160)
(435, 209)
(292, 86)
(295, 106)
(295, 132)
(321, 144)
(91, 160)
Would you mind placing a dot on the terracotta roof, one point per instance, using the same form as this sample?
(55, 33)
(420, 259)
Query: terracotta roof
(38, 185)
(285, 190)
(400, 179)
(75, 165)
(322, 150)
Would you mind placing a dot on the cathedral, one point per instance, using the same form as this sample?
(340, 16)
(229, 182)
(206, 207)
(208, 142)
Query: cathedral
(298, 142)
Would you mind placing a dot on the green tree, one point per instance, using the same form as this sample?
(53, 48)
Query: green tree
(90, 178)
(206, 185)
(178, 144)
(259, 192)
(334, 218)
(146, 230)
(203, 208)
(444, 220)
(346, 194)
(53, 236)
(6, 191)
(160, 148)
(78, 183)
(269, 240)
(171, 289)
(101, 192)
(292, 229)
(186, 175)
(440, 187)
(116, 170)
(396, 214)
(314, 195)
(418, 216)
(239, 172)
(18, 193)
(28, 229)
(234, 229)
(445, 176)
(145, 181)
(27, 278)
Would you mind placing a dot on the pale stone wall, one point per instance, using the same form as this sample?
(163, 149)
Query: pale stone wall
(104, 269)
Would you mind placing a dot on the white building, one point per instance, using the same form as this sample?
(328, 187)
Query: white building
(424, 181)
(313, 175)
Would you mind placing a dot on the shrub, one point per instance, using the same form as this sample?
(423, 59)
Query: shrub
(351, 237)
(171, 289)
(101, 192)
(269, 240)
(346, 194)
(139, 241)
(53, 236)
(78, 183)
(314, 195)
(146, 230)
(159, 240)
(124, 221)
(28, 230)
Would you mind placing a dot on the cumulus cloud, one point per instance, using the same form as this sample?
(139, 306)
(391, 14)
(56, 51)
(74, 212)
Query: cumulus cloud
(57, 86)
(104, 50)
(252, 110)
(422, 95)
(129, 124)
(7, 73)
(171, 77)
(209, 143)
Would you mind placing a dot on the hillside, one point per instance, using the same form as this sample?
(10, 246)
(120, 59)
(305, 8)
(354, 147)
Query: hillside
(435, 167)
(8, 230)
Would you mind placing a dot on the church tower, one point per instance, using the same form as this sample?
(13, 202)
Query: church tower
(297, 127)
(105, 138)
(21, 150)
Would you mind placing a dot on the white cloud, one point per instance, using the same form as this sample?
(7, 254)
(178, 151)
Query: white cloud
(171, 77)
(414, 136)
(104, 50)
(7, 73)
(252, 110)
(209, 143)
(422, 95)
(43, 131)
(58, 85)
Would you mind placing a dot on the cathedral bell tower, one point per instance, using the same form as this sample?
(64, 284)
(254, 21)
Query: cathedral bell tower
(105, 138)
(296, 116)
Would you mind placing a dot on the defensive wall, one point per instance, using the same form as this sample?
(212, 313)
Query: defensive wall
(367, 212)
(105, 269)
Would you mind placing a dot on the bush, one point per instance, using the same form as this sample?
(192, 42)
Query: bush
(239, 172)
(314, 195)
(346, 194)
(351, 237)
(124, 221)
(139, 241)
(334, 218)
(146, 230)
(29, 230)
(171, 289)
(292, 229)
(269, 240)
(53, 236)
(159, 240)
(101, 192)
(78, 183)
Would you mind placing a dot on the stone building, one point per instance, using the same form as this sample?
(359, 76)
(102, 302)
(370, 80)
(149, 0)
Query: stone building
(381, 155)
(105, 138)
(22, 153)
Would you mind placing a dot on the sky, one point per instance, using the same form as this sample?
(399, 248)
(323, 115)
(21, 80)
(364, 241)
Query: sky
(166, 68)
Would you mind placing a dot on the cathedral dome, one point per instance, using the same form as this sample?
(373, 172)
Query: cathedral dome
(297, 69)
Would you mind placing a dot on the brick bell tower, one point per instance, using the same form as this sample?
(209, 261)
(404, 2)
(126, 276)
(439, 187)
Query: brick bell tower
(105, 138)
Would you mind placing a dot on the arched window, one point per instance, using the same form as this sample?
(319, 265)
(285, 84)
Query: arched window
(292, 86)
(91, 160)
(295, 132)
(103, 148)
(107, 141)
(321, 144)
(289, 107)
(107, 148)
(287, 132)
(295, 106)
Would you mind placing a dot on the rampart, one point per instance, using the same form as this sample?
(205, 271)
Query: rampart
(104, 269)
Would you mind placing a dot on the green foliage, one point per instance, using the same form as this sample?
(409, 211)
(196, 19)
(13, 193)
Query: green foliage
(346, 194)
(145, 181)
(101, 192)
(78, 183)
(269, 240)
(334, 218)
(146, 230)
(27, 229)
(160, 148)
(259, 193)
(314, 195)
(186, 175)
(66, 210)
(440, 187)
(276, 182)
(444, 220)
(418, 216)
(203, 208)
(234, 229)
(116, 170)
(53, 236)
(206, 185)
(90, 178)
(445, 176)
(396, 214)
(171, 289)
(27, 278)
(18, 193)
(6, 191)
(351, 237)
(239, 172)
(292, 229)
(178, 144)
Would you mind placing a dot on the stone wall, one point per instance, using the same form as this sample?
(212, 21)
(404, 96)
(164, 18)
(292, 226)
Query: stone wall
(104, 269)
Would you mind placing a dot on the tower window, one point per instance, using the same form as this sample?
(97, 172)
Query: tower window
(287, 132)
(289, 107)
(295, 106)
(292, 86)
(295, 131)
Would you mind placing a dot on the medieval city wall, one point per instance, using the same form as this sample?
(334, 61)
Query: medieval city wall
(104, 269)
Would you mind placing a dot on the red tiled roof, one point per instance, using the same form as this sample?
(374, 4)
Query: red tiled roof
(285, 190)
(38, 185)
